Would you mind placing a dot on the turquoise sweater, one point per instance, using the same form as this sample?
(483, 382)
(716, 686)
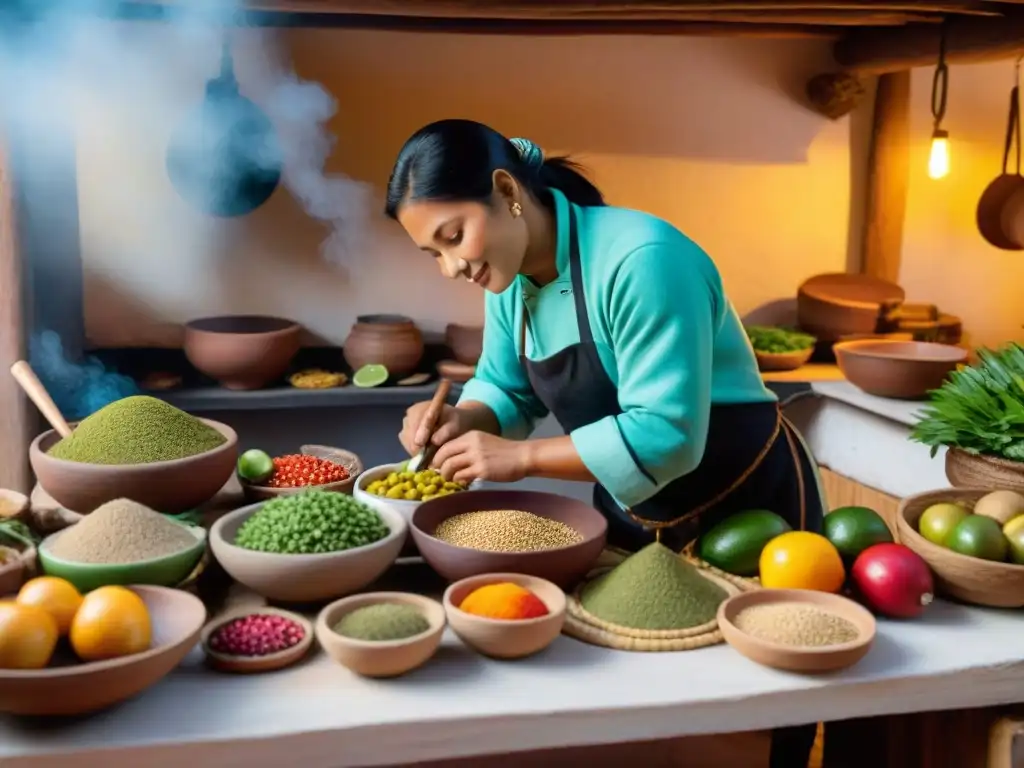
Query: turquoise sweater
(666, 334)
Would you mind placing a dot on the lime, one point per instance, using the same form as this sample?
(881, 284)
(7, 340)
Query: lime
(370, 376)
(1014, 533)
(853, 529)
(938, 520)
(255, 466)
(978, 536)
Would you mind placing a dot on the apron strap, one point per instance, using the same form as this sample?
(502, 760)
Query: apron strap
(782, 425)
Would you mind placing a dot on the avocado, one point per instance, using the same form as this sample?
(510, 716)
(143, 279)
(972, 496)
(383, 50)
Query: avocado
(853, 529)
(735, 544)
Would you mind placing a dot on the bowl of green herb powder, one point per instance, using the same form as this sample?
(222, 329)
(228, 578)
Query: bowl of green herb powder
(309, 546)
(139, 448)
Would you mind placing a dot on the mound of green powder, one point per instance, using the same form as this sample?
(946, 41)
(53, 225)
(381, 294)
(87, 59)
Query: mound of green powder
(653, 589)
(384, 621)
(137, 430)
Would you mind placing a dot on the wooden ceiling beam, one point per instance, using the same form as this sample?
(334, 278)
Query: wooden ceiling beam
(968, 40)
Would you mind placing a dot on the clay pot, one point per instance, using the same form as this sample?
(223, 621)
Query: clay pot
(393, 341)
(465, 342)
(832, 306)
(242, 351)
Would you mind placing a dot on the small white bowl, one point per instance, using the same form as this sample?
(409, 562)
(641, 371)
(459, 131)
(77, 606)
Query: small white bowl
(305, 578)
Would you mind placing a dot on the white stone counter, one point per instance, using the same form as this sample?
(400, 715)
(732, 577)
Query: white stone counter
(867, 438)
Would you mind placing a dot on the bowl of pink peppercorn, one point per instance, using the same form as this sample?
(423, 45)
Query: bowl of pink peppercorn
(256, 640)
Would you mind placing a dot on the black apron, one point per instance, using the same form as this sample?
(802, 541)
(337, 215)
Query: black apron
(754, 458)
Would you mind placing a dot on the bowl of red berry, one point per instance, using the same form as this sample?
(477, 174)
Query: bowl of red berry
(315, 466)
(256, 640)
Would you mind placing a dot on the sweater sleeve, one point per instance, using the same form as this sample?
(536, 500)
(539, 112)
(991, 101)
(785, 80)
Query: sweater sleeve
(500, 381)
(664, 301)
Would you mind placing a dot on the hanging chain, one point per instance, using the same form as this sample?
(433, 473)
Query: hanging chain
(940, 81)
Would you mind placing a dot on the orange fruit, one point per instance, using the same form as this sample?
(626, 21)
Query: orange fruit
(57, 597)
(112, 622)
(28, 636)
(802, 560)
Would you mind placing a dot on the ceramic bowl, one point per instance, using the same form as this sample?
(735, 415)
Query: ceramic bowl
(898, 369)
(228, 662)
(968, 579)
(465, 341)
(304, 578)
(405, 508)
(16, 567)
(167, 571)
(254, 492)
(564, 566)
(802, 659)
(12, 504)
(80, 689)
(166, 486)
(504, 639)
(388, 658)
(242, 351)
(782, 361)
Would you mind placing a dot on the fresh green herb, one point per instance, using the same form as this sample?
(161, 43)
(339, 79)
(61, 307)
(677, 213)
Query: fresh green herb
(16, 533)
(980, 408)
(778, 340)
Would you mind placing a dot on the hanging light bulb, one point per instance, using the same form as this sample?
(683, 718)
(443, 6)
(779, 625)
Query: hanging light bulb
(938, 157)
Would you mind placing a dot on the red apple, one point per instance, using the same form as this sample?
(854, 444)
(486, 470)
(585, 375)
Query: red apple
(893, 580)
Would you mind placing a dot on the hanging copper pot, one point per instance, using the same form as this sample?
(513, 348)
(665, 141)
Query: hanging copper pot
(993, 210)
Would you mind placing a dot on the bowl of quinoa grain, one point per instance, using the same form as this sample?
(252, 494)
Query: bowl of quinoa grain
(498, 531)
(124, 543)
(797, 630)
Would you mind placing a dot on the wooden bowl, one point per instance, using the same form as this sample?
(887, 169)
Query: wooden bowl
(403, 507)
(304, 578)
(16, 567)
(388, 658)
(969, 579)
(80, 689)
(228, 662)
(506, 639)
(897, 369)
(564, 566)
(466, 342)
(802, 659)
(166, 486)
(837, 304)
(254, 492)
(971, 470)
(782, 361)
(242, 352)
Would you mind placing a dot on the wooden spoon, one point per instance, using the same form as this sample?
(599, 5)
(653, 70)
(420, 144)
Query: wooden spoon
(26, 377)
(430, 418)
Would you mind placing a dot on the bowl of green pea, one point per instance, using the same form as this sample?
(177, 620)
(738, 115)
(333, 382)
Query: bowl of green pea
(780, 349)
(308, 547)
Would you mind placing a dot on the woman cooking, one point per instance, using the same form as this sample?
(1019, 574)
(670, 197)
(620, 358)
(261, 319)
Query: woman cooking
(615, 323)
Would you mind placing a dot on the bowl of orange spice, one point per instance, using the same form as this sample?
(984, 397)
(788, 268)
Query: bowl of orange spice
(505, 615)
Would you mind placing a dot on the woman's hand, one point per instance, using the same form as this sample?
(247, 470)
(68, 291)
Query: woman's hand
(450, 424)
(480, 456)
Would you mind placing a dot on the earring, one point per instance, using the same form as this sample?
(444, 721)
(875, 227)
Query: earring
(516, 210)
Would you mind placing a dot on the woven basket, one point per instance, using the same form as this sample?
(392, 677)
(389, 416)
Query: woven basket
(971, 470)
(582, 625)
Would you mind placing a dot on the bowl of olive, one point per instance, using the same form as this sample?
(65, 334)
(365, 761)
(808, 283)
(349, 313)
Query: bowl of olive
(393, 487)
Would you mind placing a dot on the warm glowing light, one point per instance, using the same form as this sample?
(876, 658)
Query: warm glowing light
(938, 159)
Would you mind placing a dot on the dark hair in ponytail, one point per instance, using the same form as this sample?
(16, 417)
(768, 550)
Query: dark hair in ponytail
(455, 160)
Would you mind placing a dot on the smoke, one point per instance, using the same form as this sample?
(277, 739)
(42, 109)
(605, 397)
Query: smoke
(79, 389)
(79, 62)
